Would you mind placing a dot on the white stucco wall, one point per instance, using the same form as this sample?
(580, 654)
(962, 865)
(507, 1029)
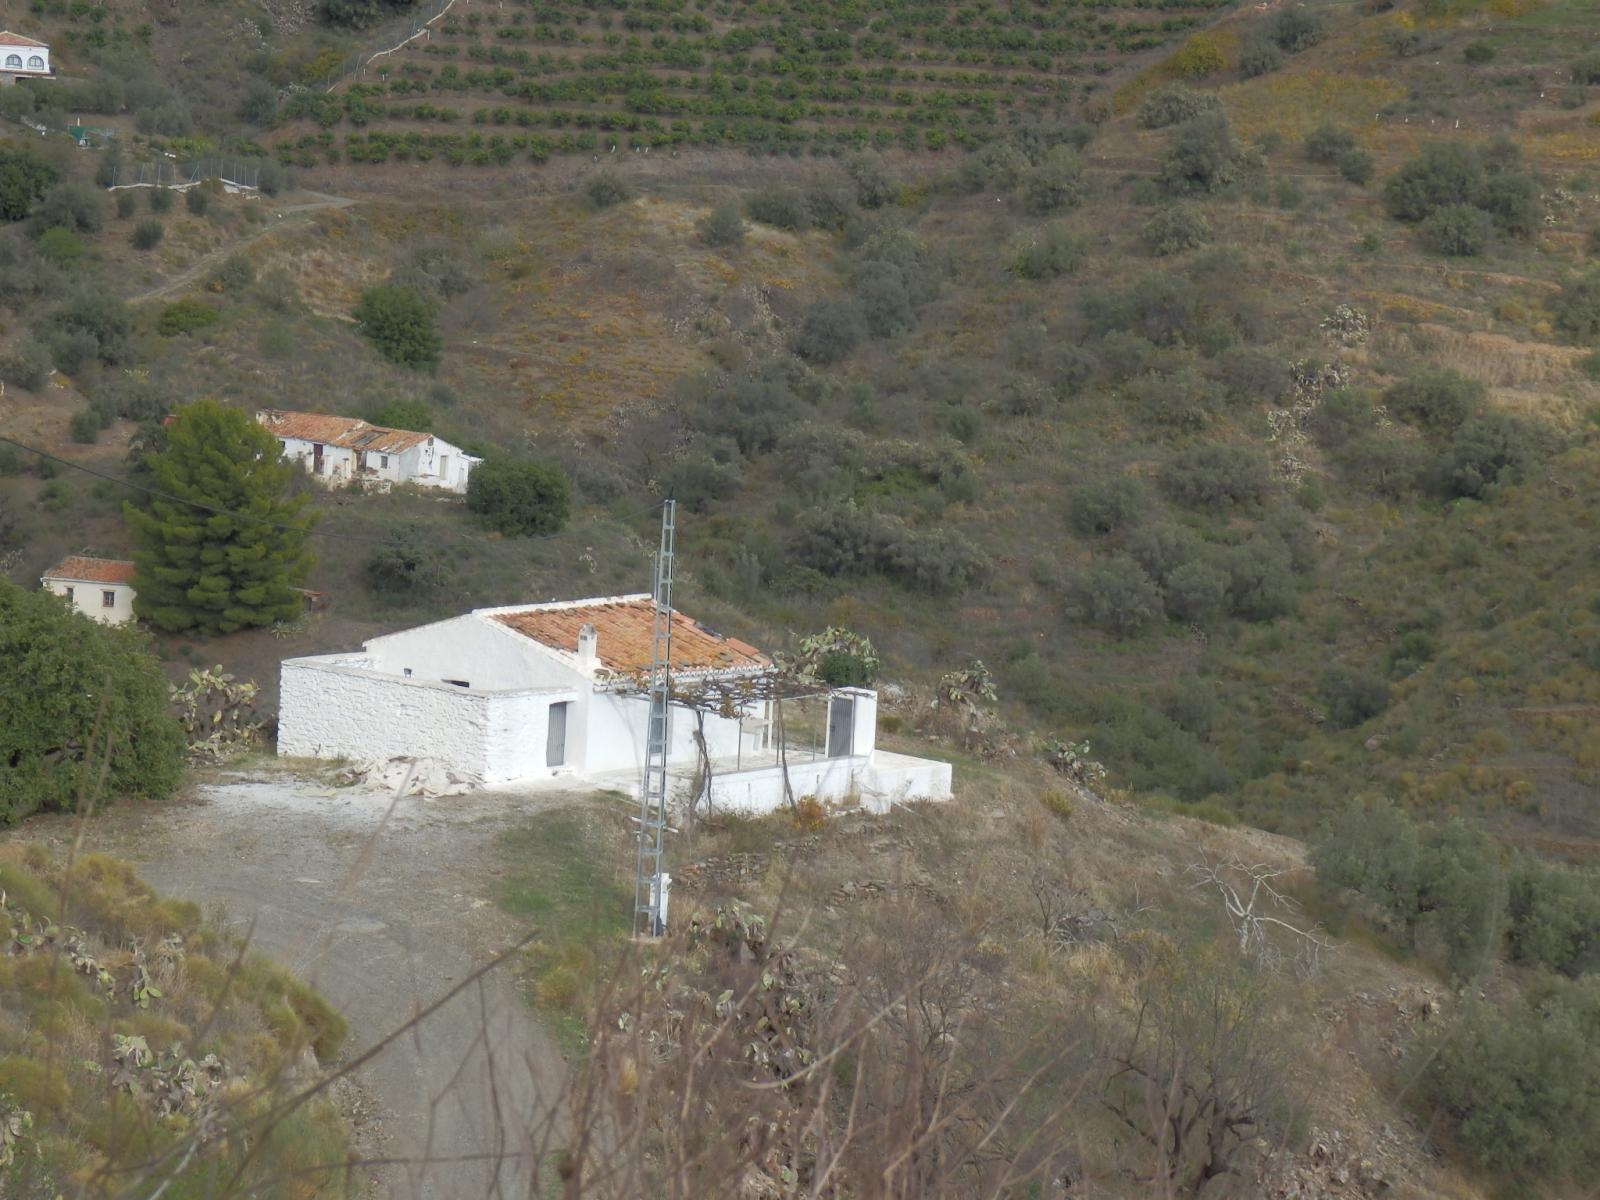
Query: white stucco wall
(485, 653)
(25, 56)
(332, 706)
(616, 728)
(88, 598)
(338, 464)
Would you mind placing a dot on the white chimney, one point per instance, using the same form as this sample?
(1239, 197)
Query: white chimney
(588, 647)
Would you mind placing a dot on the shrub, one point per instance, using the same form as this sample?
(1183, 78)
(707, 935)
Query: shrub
(1294, 29)
(1434, 884)
(1174, 105)
(1438, 400)
(1253, 374)
(885, 303)
(1159, 307)
(1554, 917)
(1202, 155)
(413, 415)
(147, 234)
(997, 167)
(1175, 228)
(874, 188)
(1353, 696)
(24, 179)
(102, 320)
(1197, 592)
(519, 497)
(1259, 57)
(722, 226)
(1587, 69)
(1047, 253)
(1162, 549)
(1054, 183)
(84, 427)
(399, 324)
(1199, 55)
(1441, 175)
(185, 316)
(1490, 449)
(1477, 53)
(1025, 396)
(232, 275)
(83, 710)
(1520, 1089)
(160, 199)
(605, 189)
(72, 205)
(406, 566)
(1107, 506)
(845, 540)
(1117, 595)
(435, 273)
(1216, 474)
(782, 208)
(830, 331)
(1357, 167)
(1577, 308)
(1183, 399)
(60, 245)
(1327, 142)
(197, 200)
(1261, 580)
(27, 366)
(127, 202)
(828, 207)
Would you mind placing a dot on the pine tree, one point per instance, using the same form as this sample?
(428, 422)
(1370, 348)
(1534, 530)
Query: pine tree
(227, 551)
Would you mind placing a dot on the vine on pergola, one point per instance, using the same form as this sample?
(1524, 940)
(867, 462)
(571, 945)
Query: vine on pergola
(730, 695)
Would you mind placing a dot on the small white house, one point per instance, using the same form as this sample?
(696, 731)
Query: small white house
(337, 450)
(22, 57)
(99, 588)
(554, 692)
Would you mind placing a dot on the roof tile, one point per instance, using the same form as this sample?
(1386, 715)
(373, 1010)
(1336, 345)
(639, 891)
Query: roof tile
(80, 568)
(350, 433)
(625, 629)
(7, 38)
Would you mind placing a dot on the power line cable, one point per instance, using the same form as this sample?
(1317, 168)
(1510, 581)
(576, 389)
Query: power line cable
(239, 516)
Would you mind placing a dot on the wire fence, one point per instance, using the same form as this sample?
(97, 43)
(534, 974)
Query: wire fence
(237, 172)
(395, 36)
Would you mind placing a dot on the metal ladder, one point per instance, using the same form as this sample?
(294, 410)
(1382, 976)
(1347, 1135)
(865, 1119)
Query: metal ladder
(647, 891)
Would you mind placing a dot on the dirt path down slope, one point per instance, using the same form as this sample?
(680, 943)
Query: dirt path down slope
(201, 266)
(384, 906)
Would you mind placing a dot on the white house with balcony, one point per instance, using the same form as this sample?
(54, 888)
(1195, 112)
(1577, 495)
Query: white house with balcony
(22, 57)
(100, 588)
(555, 693)
(342, 450)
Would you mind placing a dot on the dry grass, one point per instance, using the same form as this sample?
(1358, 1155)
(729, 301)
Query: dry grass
(1293, 103)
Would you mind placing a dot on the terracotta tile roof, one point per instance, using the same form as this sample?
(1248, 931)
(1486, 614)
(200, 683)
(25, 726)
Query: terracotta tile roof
(7, 38)
(624, 627)
(351, 433)
(82, 569)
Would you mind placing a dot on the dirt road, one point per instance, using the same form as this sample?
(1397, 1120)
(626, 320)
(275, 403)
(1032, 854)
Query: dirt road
(384, 905)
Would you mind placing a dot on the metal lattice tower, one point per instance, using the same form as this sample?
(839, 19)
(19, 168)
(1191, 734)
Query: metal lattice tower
(647, 892)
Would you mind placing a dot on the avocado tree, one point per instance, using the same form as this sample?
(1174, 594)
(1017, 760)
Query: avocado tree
(221, 545)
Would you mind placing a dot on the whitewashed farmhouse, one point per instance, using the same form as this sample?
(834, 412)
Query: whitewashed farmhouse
(22, 57)
(553, 692)
(339, 450)
(99, 588)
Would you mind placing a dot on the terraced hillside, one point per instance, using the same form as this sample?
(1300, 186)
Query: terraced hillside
(497, 85)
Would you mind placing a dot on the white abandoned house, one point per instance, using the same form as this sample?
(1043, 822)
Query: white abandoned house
(339, 450)
(557, 692)
(22, 57)
(99, 588)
